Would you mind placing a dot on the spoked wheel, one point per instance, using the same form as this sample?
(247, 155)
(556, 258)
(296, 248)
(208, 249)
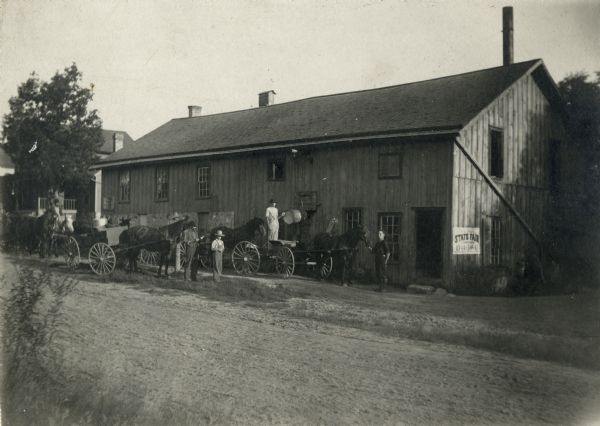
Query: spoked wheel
(284, 262)
(245, 258)
(148, 258)
(71, 253)
(205, 261)
(326, 266)
(102, 259)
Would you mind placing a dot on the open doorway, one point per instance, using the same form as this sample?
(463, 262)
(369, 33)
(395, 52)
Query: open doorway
(429, 226)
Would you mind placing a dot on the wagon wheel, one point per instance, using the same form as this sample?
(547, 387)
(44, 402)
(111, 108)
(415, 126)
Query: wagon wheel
(102, 258)
(245, 258)
(326, 266)
(205, 260)
(71, 253)
(284, 261)
(148, 258)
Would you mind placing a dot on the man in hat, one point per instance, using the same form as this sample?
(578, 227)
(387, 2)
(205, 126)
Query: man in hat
(217, 248)
(272, 215)
(381, 252)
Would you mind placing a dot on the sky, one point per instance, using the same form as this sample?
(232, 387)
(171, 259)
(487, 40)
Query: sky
(149, 59)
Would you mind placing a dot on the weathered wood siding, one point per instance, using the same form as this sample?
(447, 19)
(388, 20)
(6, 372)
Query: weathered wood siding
(528, 123)
(343, 177)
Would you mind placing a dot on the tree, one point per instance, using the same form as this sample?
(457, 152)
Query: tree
(579, 199)
(581, 103)
(50, 134)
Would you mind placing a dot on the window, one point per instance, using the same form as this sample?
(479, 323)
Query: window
(124, 186)
(390, 166)
(390, 223)
(352, 218)
(276, 169)
(203, 181)
(496, 153)
(495, 241)
(162, 183)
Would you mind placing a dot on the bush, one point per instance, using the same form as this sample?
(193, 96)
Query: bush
(482, 281)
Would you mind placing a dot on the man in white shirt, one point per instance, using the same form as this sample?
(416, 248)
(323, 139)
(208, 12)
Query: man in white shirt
(272, 215)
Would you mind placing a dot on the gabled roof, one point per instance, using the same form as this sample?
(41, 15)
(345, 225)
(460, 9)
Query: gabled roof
(107, 147)
(439, 105)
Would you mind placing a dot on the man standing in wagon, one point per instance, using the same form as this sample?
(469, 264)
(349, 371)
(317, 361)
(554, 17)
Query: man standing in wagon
(273, 216)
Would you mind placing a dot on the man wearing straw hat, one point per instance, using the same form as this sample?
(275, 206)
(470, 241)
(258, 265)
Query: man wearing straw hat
(272, 215)
(217, 247)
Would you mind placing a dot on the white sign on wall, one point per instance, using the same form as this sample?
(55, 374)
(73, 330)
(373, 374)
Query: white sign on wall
(466, 241)
(220, 219)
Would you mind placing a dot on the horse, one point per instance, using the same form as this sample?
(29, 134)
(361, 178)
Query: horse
(342, 247)
(254, 231)
(162, 240)
(45, 227)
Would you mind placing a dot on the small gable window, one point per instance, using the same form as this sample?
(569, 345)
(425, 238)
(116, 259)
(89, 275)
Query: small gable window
(276, 169)
(390, 166)
(496, 153)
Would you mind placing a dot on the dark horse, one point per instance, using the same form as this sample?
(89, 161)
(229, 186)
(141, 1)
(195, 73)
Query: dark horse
(162, 240)
(254, 231)
(45, 227)
(341, 247)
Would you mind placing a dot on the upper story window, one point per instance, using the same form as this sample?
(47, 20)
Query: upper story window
(390, 224)
(390, 166)
(276, 169)
(496, 153)
(124, 186)
(203, 181)
(352, 218)
(162, 183)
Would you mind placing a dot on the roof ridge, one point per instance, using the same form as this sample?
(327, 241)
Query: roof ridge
(356, 91)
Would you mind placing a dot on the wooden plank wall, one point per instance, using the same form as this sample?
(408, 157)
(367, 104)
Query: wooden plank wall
(342, 176)
(525, 116)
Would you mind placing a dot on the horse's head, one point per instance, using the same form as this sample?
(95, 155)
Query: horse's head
(360, 233)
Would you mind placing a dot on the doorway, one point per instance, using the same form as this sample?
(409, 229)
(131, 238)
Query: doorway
(429, 224)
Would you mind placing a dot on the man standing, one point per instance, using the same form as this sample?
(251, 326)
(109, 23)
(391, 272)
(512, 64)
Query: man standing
(272, 215)
(381, 251)
(189, 240)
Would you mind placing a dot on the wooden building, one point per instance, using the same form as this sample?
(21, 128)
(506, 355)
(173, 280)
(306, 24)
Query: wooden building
(457, 170)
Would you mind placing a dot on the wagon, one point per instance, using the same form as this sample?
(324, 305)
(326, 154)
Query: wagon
(284, 254)
(100, 245)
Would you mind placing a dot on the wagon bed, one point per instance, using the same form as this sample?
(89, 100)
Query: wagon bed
(99, 244)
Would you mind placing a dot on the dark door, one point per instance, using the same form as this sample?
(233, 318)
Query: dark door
(429, 227)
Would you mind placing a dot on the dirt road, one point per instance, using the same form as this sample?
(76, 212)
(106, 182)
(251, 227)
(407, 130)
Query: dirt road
(184, 358)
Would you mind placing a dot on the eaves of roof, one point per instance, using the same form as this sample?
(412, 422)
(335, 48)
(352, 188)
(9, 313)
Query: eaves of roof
(414, 134)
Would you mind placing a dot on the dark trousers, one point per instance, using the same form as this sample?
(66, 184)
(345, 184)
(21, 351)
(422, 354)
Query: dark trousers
(381, 271)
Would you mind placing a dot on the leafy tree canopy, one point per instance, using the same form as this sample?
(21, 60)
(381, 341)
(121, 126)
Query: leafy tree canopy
(581, 103)
(50, 134)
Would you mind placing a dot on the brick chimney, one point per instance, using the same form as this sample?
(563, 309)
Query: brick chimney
(507, 35)
(266, 98)
(118, 138)
(194, 110)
